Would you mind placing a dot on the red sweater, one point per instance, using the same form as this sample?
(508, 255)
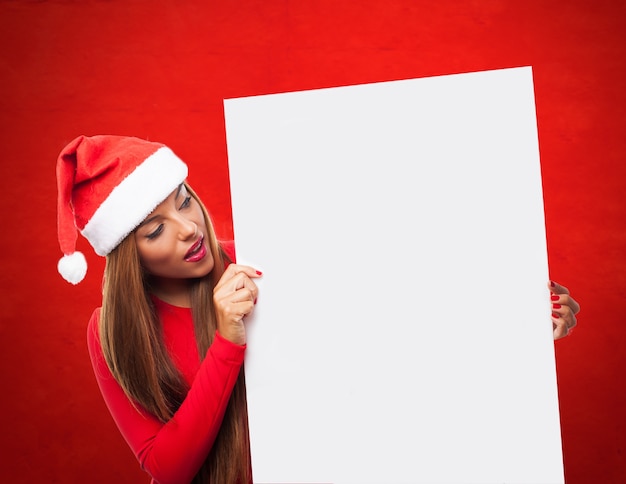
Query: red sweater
(173, 452)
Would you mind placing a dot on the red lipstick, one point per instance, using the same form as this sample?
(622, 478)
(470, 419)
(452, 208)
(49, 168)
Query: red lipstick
(197, 251)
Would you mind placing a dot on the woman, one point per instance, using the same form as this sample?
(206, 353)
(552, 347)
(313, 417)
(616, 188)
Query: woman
(167, 346)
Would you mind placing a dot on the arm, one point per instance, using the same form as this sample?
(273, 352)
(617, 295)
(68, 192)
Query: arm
(172, 452)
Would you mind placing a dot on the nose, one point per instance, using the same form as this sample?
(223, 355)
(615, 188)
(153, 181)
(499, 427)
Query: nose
(188, 229)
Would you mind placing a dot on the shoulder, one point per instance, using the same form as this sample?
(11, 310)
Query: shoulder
(93, 336)
(94, 347)
(94, 321)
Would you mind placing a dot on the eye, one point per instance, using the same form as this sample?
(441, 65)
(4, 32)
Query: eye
(156, 233)
(186, 202)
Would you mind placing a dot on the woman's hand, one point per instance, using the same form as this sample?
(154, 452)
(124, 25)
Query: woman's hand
(234, 296)
(564, 310)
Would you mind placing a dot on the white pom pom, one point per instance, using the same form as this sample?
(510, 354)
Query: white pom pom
(73, 267)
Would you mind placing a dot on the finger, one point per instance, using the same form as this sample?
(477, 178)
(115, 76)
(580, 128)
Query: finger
(565, 300)
(239, 288)
(235, 269)
(243, 294)
(248, 270)
(564, 314)
(232, 309)
(241, 282)
(559, 328)
(241, 309)
(557, 288)
(234, 274)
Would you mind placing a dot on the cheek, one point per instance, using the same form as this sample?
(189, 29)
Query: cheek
(198, 217)
(154, 255)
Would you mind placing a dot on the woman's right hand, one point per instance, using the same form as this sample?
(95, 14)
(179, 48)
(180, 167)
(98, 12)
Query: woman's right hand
(234, 296)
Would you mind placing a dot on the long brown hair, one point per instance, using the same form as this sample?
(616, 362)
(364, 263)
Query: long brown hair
(136, 355)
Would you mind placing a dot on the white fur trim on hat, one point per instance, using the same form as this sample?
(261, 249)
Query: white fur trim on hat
(130, 202)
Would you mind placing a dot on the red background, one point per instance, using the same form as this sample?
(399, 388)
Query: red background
(161, 69)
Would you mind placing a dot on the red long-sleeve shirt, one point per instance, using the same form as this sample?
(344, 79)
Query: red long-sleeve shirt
(173, 452)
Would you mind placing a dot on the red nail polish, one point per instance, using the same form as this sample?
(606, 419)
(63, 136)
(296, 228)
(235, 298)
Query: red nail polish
(556, 306)
(259, 273)
(557, 316)
(552, 284)
(555, 297)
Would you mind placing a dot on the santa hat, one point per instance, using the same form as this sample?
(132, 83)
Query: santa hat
(107, 185)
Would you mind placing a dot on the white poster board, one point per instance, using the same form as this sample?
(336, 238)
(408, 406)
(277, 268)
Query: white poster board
(403, 332)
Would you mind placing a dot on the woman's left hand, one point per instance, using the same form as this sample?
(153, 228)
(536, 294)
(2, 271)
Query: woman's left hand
(564, 310)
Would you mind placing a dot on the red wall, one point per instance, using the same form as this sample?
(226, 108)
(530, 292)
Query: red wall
(160, 70)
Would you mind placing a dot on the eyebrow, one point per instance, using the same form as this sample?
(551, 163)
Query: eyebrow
(148, 220)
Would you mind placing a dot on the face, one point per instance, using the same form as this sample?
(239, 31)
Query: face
(173, 240)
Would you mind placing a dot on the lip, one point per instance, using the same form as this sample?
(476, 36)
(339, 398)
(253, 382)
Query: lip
(197, 251)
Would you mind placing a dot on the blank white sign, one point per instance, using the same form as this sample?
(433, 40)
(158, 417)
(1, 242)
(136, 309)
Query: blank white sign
(402, 332)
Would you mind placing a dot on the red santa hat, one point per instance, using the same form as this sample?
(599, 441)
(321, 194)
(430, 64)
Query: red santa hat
(107, 185)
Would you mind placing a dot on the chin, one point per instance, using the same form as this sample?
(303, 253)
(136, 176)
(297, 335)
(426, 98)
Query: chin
(204, 270)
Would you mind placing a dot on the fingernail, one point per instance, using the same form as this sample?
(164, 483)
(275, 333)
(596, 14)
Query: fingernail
(552, 284)
(557, 316)
(555, 297)
(255, 300)
(556, 306)
(259, 273)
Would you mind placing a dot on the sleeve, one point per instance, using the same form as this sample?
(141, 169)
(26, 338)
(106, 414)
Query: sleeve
(172, 452)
